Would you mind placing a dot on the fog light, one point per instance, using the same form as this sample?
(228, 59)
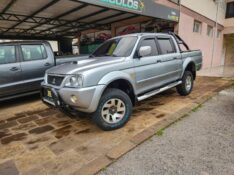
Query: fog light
(74, 98)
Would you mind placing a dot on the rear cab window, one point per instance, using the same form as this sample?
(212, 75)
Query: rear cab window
(33, 52)
(7, 54)
(166, 45)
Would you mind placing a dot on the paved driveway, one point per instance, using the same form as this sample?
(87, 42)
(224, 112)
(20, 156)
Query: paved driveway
(48, 142)
(201, 144)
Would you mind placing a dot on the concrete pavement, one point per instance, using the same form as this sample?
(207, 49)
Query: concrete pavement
(200, 144)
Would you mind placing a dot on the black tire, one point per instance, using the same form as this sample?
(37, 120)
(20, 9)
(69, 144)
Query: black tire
(108, 95)
(181, 89)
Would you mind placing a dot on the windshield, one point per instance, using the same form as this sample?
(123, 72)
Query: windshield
(118, 47)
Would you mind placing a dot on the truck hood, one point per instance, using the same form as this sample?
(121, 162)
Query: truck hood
(83, 64)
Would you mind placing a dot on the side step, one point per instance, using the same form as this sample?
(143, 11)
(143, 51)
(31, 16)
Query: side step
(152, 93)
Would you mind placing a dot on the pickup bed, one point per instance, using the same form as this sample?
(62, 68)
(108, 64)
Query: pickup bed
(23, 65)
(121, 72)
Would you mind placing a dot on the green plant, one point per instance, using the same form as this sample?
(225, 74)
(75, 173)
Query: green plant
(160, 132)
(104, 169)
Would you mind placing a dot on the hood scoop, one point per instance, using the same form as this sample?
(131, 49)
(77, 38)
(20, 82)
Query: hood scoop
(82, 61)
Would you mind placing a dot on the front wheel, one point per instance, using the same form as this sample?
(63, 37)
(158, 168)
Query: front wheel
(186, 87)
(114, 110)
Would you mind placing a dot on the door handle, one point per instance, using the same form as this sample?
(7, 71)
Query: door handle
(47, 64)
(14, 69)
(175, 58)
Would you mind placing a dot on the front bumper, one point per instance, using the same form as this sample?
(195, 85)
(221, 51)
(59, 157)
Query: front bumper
(84, 99)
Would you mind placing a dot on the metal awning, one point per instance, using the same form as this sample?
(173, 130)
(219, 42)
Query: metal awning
(56, 18)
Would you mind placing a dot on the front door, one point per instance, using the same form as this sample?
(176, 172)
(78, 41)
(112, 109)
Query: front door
(10, 71)
(148, 69)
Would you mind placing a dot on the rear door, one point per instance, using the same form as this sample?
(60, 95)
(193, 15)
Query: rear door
(10, 71)
(171, 59)
(34, 62)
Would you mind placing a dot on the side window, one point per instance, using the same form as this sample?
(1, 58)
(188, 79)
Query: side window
(7, 54)
(150, 42)
(166, 45)
(33, 52)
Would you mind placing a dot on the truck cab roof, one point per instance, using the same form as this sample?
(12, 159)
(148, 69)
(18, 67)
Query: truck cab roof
(144, 34)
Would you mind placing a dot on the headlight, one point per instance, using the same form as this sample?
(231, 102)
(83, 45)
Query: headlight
(74, 81)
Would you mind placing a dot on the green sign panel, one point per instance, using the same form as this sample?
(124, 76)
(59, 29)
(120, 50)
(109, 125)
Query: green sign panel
(137, 5)
(144, 7)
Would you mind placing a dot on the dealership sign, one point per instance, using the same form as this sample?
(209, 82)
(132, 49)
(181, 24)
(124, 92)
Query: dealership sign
(143, 7)
(137, 5)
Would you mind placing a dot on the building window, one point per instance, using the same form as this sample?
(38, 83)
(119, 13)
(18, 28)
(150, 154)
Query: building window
(230, 10)
(210, 31)
(218, 33)
(197, 27)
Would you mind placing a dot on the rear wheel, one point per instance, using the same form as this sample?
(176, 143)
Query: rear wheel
(186, 87)
(114, 110)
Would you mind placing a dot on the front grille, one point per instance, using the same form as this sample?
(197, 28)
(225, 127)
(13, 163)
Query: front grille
(55, 80)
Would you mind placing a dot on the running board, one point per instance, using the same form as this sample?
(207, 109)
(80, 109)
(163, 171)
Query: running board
(152, 93)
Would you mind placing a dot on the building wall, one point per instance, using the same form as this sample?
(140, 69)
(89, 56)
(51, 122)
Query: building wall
(229, 47)
(206, 8)
(229, 40)
(201, 41)
(205, 12)
(229, 24)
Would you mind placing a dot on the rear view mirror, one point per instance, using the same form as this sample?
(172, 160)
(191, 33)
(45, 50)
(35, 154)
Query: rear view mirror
(145, 51)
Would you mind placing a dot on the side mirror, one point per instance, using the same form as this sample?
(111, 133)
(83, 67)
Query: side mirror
(144, 51)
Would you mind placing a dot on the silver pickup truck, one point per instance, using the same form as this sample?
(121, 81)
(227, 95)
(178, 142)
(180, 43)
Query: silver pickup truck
(23, 65)
(121, 72)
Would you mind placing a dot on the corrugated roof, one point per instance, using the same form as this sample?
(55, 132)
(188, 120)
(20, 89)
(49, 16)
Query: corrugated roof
(53, 18)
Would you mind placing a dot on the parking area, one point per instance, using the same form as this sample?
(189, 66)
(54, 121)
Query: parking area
(39, 140)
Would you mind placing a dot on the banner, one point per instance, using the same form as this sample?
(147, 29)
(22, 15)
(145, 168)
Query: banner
(144, 7)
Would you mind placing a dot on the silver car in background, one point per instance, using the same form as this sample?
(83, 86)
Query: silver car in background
(23, 65)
